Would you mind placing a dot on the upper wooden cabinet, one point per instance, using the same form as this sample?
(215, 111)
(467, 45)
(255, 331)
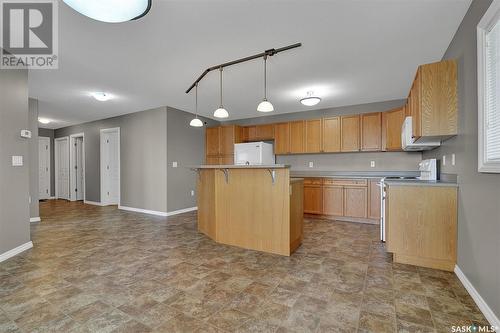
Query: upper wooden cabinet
(229, 135)
(297, 136)
(282, 138)
(212, 141)
(432, 101)
(371, 131)
(313, 136)
(350, 127)
(331, 135)
(219, 144)
(392, 123)
(258, 132)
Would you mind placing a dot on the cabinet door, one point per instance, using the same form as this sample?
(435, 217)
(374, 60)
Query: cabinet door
(392, 122)
(282, 138)
(313, 136)
(374, 204)
(227, 159)
(227, 140)
(415, 109)
(331, 135)
(251, 133)
(355, 201)
(313, 199)
(212, 141)
(297, 137)
(371, 131)
(349, 133)
(265, 132)
(333, 200)
(212, 160)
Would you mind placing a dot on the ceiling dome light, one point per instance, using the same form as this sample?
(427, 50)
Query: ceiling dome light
(101, 96)
(44, 121)
(265, 105)
(195, 122)
(111, 11)
(310, 100)
(221, 112)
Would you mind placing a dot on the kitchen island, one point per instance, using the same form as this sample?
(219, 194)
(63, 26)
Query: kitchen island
(254, 207)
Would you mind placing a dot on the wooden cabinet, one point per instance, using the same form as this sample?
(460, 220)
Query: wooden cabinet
(258, 132)
(219, 144)
(228, 137)
(433, 101)
(350, 127)
(297, 137)
(212, 160)
(212, 141)
(282, 138)
(313, 199)
(331, 135)
(355, 201)
(374, 207)
(392, 122)
(371, 131)
(313, 136)
(333, 200)
(421, 225)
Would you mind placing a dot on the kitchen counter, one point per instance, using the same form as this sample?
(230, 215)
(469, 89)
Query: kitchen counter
(233, 166)
(352, 174)
(417, 182)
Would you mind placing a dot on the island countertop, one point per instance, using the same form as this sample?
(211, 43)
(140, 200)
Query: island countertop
(234, 166)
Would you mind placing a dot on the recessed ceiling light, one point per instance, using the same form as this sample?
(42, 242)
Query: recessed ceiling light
(310, 100)
(111, 11)
(101, 96)
(44, 121)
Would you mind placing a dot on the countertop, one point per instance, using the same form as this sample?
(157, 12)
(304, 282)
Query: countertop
(294, 180)
(353, 174)
(416, 182)
(232, 166)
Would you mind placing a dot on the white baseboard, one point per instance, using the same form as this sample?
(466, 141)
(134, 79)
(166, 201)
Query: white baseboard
(180, 211)
(95, 203)
(16, 251)
(35, 219)
(480, 302)
(144, 211)
(52, 198)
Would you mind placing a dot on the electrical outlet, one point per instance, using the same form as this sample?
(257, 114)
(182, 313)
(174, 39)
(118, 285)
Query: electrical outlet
(311, 164)
(453, 159)
(192, 193)
(372, 164)
(444, 159)
(174, 164)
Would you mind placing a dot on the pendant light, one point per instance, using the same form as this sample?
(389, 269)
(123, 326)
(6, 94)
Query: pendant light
(221, 112)
(111, 11)
(310, 100)
(265, 105)
(196, 122)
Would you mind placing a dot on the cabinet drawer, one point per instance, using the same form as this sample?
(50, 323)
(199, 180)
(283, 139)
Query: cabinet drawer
(345, 182)
(313, 181)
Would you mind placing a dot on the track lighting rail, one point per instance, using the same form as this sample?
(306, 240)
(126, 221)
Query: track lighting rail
(268, 53)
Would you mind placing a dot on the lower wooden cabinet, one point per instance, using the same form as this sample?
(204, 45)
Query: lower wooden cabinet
(313, 199)
(355, 201)
(333, 200)
(374, 204)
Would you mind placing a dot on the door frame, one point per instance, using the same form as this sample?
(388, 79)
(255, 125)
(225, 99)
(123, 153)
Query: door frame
(101, 168)
(48, 165)
(72, 141)
(56, 164)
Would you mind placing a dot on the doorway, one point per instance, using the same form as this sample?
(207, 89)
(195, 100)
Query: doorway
(77, 167)
(110, 166)
(43, 168)
(61, 148)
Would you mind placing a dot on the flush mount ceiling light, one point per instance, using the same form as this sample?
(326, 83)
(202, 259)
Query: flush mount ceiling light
(265, 105)
(310, 100)
(195, 122)
(44, 121)
(101, 96)
(111, 11)
(221, 112)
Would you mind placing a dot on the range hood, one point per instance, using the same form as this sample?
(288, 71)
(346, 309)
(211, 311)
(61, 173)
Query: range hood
(408, 143)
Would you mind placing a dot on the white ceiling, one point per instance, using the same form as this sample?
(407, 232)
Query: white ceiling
(353, 52)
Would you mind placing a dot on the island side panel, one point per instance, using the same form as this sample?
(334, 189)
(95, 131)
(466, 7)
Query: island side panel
(206, 203)
(296, 214)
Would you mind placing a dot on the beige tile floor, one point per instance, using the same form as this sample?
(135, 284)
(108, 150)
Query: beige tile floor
(98, 269)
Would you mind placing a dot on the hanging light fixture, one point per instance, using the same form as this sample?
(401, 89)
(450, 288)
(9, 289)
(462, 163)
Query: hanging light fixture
(111, 11)
(265, 105)
(310, 100)
(221, 112)
(196, 122)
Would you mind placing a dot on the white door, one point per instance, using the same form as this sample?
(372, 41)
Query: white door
(79, 168)
(43, 168)
(62, 171)
(110, 167)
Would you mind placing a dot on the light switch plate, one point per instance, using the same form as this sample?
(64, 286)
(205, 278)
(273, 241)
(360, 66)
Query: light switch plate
(444, 159)
(453, 159)
(174, 164)
(372, 164)
(17, 161)
(192, 193)
(311, 164)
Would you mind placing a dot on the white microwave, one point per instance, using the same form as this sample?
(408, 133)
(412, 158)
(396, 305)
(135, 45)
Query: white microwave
(408, 143)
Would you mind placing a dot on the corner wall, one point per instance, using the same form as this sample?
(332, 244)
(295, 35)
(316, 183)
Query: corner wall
(33, 157)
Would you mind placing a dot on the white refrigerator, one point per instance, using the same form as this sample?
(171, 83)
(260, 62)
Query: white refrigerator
(253, 153)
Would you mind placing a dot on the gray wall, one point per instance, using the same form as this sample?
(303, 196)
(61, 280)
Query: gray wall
(186, 146)
(33, 156)
(143, 157)
(393, 161)
(14, 181)
(49, 133)
(479, 193)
